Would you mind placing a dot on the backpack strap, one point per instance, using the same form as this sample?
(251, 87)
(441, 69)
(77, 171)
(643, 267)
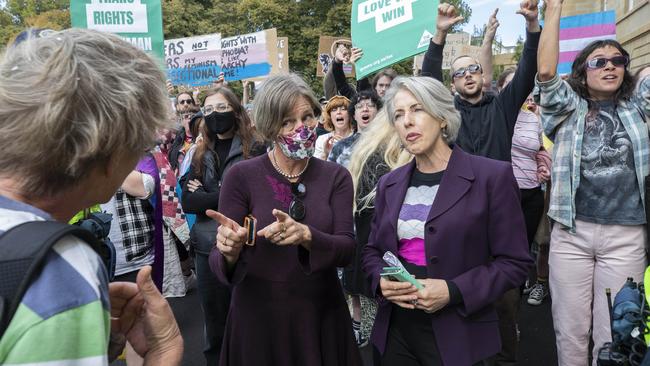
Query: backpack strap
(23, 249)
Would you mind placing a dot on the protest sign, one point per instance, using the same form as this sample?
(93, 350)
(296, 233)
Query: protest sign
(193, 61)
(283, 54)
(138, 22)
(326, 56)
(457, 44)
(390, 31)
(250, 55)
(198, 61)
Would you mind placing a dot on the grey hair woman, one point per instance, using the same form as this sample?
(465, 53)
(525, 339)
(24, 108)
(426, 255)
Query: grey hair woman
(304, 209)
(465, 246)
(78, 109)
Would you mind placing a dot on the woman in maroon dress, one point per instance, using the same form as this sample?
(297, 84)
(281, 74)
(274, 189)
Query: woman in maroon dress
(287, 305)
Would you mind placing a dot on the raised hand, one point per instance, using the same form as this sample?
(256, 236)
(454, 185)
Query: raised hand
(492, 26)
(286, 231)
(230, 236)
(342, 54)
(529, 9)
(447, 17)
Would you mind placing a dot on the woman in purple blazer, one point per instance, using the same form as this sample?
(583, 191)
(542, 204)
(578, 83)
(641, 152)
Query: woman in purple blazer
(454, 221)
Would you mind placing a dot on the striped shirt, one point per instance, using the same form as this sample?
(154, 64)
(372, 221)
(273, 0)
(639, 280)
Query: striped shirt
(526, 142)
(413, 215)
(563, 118)
(63, 318)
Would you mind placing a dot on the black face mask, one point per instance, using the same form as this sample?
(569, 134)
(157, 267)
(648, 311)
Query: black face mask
(219, 123)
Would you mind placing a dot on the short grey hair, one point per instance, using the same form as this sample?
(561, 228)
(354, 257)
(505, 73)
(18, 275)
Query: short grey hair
(72, 101)
(434, 97)
(275, 101)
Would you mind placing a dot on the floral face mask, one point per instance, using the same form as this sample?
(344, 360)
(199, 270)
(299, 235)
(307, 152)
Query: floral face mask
(300, 145)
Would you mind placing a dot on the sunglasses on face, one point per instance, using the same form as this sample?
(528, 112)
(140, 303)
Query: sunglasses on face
(600, 62)
(185, 101)
(297, 209)
(473, 69)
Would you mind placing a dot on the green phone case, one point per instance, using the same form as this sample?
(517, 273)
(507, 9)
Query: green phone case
(402, 275)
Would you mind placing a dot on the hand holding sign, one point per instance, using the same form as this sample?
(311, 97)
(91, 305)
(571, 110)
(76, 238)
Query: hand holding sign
(357, 53)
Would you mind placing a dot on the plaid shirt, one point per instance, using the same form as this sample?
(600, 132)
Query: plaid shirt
(563, 118)
(135, 217)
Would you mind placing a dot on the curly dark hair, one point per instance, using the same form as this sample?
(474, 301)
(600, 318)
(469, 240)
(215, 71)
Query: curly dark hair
(578, 77)
(366, 94)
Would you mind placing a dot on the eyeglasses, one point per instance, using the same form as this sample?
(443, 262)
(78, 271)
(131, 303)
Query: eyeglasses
(185, 101)
(368, 105)
(220, 108)
(473, 69)
(297, 207)
(600, 62)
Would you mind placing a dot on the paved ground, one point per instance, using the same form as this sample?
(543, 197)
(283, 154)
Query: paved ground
(537, 346)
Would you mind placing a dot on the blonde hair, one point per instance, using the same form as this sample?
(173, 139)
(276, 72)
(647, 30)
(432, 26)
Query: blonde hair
(72, 101)
(381, 138)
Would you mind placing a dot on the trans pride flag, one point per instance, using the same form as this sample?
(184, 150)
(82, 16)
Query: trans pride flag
(579, 30)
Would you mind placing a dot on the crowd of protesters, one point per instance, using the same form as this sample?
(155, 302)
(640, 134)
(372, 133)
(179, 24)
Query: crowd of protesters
(283, 209)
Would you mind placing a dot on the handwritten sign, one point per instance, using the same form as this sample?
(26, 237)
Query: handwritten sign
(325, 56)
(250, 55)
(457, 44)
(283, 54)
(193, 61)
(198, 61)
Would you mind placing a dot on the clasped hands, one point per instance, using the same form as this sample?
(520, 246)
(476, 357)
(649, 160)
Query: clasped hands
(231, 236)
(433, 297)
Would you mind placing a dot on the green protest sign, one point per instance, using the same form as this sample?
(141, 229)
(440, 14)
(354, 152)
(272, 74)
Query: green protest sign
(138, 22)
(390, 31)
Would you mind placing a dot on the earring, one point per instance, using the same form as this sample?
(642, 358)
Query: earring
(445, 135)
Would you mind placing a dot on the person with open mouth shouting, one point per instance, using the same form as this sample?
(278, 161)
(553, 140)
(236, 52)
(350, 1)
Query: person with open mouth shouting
(336, 119)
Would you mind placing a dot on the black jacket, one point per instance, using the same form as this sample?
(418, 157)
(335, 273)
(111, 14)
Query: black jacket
(176, 147)
(342, 86)
(487, 126)
(203, 232)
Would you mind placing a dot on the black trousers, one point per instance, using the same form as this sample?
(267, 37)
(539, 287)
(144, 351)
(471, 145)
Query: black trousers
(532, 204)
(411, 341)
(215, 302)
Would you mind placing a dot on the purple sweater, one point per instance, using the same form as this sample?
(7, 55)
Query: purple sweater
(287, 303)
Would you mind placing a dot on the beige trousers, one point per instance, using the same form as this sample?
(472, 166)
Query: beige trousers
(582, 266)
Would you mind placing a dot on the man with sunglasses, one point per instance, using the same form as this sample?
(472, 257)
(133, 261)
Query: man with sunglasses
(488, 120)
(185, 109)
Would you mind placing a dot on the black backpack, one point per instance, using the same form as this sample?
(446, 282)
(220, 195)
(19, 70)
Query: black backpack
(23, 249)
